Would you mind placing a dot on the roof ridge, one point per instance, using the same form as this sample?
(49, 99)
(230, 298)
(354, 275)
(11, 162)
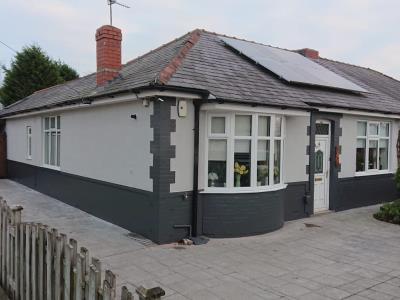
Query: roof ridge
(358, 66)
(155, 49)
(245, 40)
(169, 70)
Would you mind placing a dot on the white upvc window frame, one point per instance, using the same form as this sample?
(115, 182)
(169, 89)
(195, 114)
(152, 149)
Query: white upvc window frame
(230, 137)
(57, 131)
(29, 142)
(372, 137)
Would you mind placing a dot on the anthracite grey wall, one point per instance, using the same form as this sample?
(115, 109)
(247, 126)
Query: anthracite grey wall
(233, 215)
(365, 190)
(295, 201)
(127, 207)
(172, 208)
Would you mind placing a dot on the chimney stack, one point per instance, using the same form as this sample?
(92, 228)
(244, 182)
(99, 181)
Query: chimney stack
(309, 53)
(108, 51)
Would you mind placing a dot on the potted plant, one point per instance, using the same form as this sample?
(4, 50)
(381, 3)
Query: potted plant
(262, 174)
(239, 171)
(213, 177)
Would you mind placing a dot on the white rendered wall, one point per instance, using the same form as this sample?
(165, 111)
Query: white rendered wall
(102, 143)
(183, 139)
(17, 140)
(295, 159)
(348, 141)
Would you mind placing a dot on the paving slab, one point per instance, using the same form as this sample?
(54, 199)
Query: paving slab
(350, 255)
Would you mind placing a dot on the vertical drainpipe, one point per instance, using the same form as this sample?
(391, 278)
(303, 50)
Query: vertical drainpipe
(196, 214)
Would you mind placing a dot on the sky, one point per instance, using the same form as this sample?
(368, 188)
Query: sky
(360, 32)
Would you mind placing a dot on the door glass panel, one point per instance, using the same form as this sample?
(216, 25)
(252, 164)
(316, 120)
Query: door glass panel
(217, 163)
(319, 162)
(360, 155)
(242, 162)
(263, 163)
(322, 129)
(242, 125)
(373, 155)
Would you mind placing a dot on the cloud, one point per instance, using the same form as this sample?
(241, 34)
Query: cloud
(356, 31)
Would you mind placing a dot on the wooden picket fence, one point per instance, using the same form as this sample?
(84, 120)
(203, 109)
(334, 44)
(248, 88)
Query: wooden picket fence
(38, 263)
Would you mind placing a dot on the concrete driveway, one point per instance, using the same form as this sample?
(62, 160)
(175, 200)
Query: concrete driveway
(346, 255)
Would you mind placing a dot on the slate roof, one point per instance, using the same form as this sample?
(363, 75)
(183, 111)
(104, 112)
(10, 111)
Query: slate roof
(200, 60)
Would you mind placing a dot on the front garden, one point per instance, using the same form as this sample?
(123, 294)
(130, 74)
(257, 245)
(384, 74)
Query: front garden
(389, 212)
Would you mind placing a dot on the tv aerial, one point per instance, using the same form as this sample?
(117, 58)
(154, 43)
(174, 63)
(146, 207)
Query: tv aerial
(111, 3)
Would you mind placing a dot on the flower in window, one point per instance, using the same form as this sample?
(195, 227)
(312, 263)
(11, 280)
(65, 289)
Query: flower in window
(213, 177)
(240, 169)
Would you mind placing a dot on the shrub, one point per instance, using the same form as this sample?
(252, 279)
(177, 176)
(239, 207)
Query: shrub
(389, 212)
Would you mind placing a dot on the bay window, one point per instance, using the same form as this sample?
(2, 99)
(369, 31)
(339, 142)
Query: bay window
(372, 153)
(244, 151)
(52, 138)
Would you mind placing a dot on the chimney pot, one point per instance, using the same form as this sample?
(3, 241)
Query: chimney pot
(108, 51)
(309, 53)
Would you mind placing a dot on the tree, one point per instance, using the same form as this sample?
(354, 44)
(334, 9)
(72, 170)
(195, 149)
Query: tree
(32, 70)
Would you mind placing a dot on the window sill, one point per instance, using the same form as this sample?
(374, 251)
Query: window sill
(51, 167)
(243, 190)
(29, 158)
(372, 173)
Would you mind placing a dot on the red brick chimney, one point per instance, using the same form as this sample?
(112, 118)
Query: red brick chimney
(108, 48)
(309, 53)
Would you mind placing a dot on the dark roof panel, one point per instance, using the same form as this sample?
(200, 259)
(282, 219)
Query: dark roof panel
(212, 66)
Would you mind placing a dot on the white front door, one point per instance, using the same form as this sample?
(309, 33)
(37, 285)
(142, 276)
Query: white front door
(321, 174)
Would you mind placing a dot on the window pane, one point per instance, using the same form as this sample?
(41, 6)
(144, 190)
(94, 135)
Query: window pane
(242, 125)
(384, 129)
(383, 154)
(278, 126)
(218, 125)
(264, 124)
(277, 162)
(360, 155)
(217, 163)
(263, 163)
(361, 128)
(373, 129)
(373, 155)
(46, 148)
(46, 123)
(53, 149)
(58, 123)
(242, 162)
(58, 149)
(52, 122)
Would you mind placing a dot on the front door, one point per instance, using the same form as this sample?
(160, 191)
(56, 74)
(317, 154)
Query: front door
(321, 174)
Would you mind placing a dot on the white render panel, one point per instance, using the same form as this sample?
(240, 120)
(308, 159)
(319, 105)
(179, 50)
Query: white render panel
(348, 142)
(295, 159)
(183, 140)
(17, 140)
(102, 143)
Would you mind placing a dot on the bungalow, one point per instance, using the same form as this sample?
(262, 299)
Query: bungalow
(208, 135)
